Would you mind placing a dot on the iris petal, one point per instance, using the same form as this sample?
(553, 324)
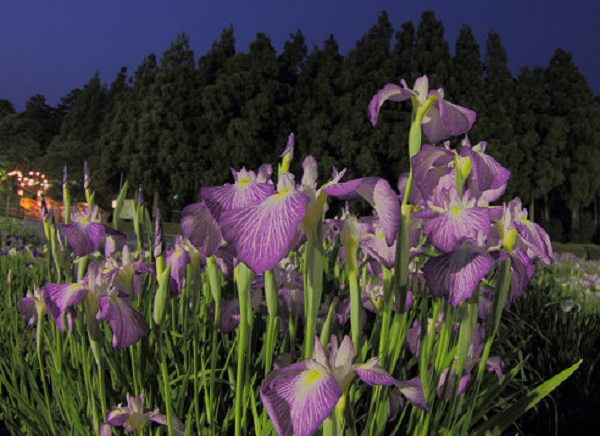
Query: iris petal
(455, 275)
(199, 226)
(389, 92)
(65, 295)
(83, 237)
(260, 235)
(219, 199)
(372, 374)
(127, 325)
(298, 401)
(379, 194)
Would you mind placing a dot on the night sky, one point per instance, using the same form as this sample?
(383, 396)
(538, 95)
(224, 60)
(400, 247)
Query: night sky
(52, 47)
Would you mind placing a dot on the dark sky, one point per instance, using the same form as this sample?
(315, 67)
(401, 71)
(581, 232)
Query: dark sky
(51, 47)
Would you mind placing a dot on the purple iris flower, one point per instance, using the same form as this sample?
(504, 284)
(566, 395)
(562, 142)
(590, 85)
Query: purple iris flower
(201, 228)
(179, 258)
(229, 318)
(487, 178)
(32, 305)
(451, 220)
(533, 236)
(374, 244)
(379, 194)
(455, 274)
(443, 119)
(249, 188)
(299, 397)
(260, 234)
(86, 232)
(433, 170)
(105, 301)
(135, 418)
(127, 271)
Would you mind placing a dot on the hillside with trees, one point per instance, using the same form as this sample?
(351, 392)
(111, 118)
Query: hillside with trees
(179, 122)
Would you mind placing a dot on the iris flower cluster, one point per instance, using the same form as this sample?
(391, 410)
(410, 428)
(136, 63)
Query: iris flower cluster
(441, 228)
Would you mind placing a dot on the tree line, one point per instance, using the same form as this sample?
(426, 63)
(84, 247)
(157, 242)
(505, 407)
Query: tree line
(179, 123)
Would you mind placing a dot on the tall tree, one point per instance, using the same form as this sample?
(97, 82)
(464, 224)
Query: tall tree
(366, 68)
(571, 99)
(404, 52)
(499, 107)
(432, 54)
(466, 85)
(6, 108)
(317, 91)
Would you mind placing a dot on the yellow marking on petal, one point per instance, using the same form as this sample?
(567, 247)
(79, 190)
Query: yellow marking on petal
(312, 375)
(455, 210)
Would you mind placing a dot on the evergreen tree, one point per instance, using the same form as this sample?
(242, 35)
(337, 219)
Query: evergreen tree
(571, 99)
(404, 53)
(216, 109)
(432, 54)
(6, 108)
(317, 91)
(466, 85)
(292, 61)
(361, 148)
(499, 107)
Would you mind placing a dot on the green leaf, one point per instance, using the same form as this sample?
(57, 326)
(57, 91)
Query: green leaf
(504, 419)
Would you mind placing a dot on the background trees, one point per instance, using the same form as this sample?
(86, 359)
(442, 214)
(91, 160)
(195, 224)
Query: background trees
(178, 123)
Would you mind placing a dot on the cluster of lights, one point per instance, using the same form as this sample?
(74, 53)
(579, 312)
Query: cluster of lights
(32, 181)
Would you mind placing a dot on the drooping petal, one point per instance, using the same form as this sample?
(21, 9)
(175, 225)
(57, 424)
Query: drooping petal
(199, 226)
(379, 194)
(372, 374)
(389, 92)
(161, 419)
(413, 391)
(413, 338)
(83, 237)
(117, 417)
(455, 275)
(28, 309)
(376, 246)
(521, 273)
(430, 166)
(179, 260)
(446, 119)
(229, 318)
(65, 295)
(127, 325)
(487, 178)
(445, 389)
(495, 364)
(298, 401)
(260, 234)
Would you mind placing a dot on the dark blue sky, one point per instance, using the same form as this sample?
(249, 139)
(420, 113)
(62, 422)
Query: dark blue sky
(51, 47)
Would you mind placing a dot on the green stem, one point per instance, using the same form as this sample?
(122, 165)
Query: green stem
(244, 278)
(165, 376)
(314, 289)
(271, 296)
(355, 310)
(39, 337)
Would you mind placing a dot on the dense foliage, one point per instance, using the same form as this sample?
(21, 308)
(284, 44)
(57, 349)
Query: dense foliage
(178, 122)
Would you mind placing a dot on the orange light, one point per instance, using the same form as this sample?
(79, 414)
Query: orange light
(20, 192)
(113, 204)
